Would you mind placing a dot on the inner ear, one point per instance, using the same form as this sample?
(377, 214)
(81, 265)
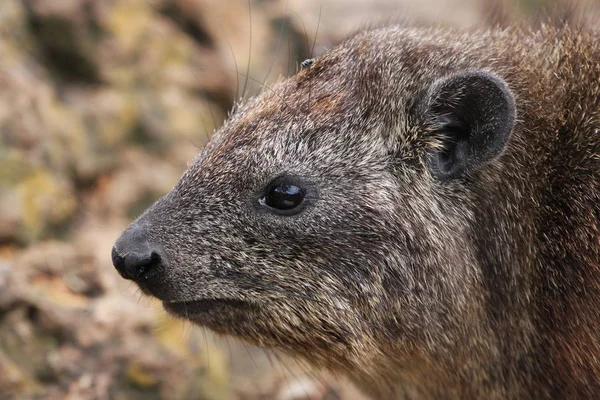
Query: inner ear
(473, 113)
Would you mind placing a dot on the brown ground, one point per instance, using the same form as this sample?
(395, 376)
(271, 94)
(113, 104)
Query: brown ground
(102, 104)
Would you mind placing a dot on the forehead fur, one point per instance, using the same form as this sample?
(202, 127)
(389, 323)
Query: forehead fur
(370, 84)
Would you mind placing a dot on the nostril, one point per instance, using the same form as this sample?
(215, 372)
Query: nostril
(141, 267)
(138, 266)
(151, 268)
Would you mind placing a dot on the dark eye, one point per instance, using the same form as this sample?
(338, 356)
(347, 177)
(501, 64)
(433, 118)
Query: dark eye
(283, 198)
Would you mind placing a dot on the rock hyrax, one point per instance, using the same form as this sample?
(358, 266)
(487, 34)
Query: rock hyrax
(418, 209)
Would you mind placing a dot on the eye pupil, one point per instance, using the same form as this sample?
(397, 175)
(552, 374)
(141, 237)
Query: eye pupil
(284, 197)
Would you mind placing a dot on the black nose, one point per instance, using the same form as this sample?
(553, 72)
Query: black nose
(136, 258)
(137, 266)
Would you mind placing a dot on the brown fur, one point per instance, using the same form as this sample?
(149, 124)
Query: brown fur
(487, 286)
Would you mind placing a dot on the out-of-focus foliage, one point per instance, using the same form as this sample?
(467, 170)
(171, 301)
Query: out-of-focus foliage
(102, 105)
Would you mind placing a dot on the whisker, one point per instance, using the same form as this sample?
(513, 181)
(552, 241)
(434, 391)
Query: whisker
(312, 55)
(289, 61)
(162, 327)
(187, 315)
(303, 28)
(268, 354)
(312, 50)
(291, 373)
(308, 370)
(207, 347)
(230, 355)
(279, 40)
(212, 115)
(278, 366)
(256, 81)
(250, 356)
(237, 72)
(250, 48)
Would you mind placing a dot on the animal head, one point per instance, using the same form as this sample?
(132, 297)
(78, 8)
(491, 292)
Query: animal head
(334, 209)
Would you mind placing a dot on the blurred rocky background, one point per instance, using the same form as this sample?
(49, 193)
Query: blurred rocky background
(102, 105)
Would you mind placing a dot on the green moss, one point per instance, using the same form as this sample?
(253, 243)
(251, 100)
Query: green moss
(14, 167)
(47, 202)
(140, 377)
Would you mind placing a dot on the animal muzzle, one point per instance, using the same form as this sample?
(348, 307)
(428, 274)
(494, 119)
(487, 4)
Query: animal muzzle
(137, 258)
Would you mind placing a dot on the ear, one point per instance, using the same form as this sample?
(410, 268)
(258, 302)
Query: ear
(474, 114)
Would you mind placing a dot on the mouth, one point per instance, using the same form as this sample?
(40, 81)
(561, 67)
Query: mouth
(195, 308)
